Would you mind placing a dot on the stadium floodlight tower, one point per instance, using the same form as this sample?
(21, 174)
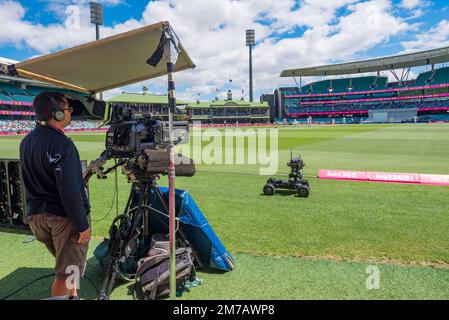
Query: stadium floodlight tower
(96, 16)
(250, 42)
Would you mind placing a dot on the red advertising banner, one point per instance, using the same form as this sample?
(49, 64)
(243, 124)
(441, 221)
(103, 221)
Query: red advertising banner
(16, 103)
(296, 114)
(389, 177)
(23, 132)
(343, 175)
(393, 177)
(425, 96)
(222, 125)
(434, 109)
(17, 113)
(434, 179)
(324, 113)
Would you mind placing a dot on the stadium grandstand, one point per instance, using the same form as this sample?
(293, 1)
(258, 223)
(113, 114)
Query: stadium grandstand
(214, 112)
(145, 103)
(357, 92)
(229, 111)
(16, 101)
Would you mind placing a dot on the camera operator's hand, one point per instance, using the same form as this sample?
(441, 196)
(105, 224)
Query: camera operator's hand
(85, 236)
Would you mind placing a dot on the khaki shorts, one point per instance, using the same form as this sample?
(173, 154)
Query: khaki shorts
(61, 238)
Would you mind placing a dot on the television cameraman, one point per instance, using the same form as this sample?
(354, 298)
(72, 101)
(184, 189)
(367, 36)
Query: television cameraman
(58, 206)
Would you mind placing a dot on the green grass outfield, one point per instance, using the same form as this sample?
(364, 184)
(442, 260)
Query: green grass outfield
(287, 247)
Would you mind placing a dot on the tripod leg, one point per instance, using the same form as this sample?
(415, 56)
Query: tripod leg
(116, 251)
(130, 200)
(111, 282)
(136, 225)
(108, 282)
(146, 222)
(135, 221)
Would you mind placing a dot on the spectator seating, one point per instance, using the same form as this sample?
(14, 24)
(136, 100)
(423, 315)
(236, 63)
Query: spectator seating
(21, 126)
(441, 76)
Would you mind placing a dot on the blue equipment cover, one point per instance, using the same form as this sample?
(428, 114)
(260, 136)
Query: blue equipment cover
(200, 234)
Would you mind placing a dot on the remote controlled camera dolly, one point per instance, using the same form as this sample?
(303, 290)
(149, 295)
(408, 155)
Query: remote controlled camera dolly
(295, 180)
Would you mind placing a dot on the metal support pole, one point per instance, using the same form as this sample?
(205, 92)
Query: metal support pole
(395, 75)
(96, 18)
(97, 35)
(97, 29)
(171, 169)
(250, 74)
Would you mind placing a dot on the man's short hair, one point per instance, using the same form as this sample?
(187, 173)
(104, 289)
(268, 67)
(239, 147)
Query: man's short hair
(46, 103)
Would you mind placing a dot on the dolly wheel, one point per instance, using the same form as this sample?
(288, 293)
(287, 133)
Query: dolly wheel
(303, 191)
(269, 189)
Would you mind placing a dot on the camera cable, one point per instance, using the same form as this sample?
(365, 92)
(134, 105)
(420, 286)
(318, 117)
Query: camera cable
(114, 199)
(44, 277)
(165, 215)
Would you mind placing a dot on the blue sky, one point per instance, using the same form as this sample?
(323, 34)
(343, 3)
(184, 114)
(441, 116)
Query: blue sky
(290, 34)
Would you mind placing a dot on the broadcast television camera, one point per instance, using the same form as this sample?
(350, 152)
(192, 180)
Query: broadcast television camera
(130, 134)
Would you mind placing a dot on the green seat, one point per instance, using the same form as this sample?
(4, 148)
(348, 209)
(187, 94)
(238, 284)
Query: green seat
(441, 76)
(423, 78)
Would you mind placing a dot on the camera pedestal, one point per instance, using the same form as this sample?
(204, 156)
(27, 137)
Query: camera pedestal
(132, 228)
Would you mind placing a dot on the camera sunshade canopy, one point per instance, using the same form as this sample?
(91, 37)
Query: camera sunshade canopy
(104, 64)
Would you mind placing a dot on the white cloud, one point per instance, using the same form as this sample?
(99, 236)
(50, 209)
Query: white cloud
(434, 38)
(311, 13)
(214, 36)
(370, 23)
(415, 14)
(414, 8)
(58, 7)
(44, 39)
(410, 4)
(23, 33)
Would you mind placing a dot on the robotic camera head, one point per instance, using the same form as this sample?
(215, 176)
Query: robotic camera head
(296, 164)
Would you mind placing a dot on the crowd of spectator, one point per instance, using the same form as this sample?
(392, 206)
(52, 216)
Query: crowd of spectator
(22, 126)
(84, 125)
(230, 112)
(18, 126)
(145, 108)
(348, 97)
(371, 106)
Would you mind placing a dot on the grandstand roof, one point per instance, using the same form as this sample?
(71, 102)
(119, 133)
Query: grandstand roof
(200, 104)
(143, 98)
(7, 61)
(238, 103)
(4, 78)
(379, 64)
(228, 104)
(106, 63)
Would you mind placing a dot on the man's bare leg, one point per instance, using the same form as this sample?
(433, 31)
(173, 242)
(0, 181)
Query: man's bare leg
(59, 288)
